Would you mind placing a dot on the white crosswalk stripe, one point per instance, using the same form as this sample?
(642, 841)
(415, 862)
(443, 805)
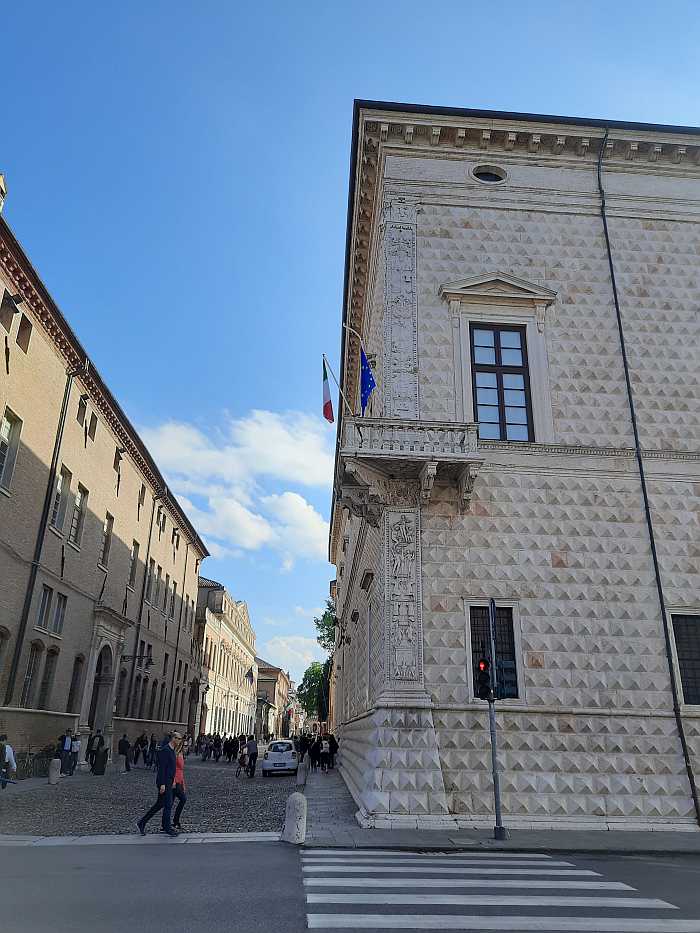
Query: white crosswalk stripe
(480, 892)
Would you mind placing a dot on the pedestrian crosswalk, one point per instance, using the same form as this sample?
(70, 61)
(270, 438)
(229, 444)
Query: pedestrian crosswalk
(476, 891)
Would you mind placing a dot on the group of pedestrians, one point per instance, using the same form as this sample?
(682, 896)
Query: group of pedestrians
(321, 748)
(69, 747)
(240, 748)
(144, 750)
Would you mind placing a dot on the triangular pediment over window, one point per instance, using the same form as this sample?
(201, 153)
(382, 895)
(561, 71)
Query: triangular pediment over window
(497, 286)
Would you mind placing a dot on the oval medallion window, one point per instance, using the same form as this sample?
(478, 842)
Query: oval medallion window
(489, 174)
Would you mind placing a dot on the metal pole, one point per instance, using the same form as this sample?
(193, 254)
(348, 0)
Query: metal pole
(499, 831)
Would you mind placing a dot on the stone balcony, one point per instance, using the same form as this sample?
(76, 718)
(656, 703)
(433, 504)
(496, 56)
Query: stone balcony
(376, 450)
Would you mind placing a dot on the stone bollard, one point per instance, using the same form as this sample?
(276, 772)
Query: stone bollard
(302, 772)
(54, 770)
(294, 830)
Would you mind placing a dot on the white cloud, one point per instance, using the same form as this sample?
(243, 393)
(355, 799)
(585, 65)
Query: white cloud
(283, 445)
(299, 527)
(293, 653)
(225, 470)
(308, 613)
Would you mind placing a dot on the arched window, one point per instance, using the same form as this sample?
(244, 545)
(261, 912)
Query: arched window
(176, 703)
(182, 706)
(152, 704)
(73, 704)
(48, 678)
(142, 701)
(4, 643)
(135, 697)
(161, 702)
(36, 649)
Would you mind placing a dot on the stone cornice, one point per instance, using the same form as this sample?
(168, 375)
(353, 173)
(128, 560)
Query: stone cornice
(24, 280)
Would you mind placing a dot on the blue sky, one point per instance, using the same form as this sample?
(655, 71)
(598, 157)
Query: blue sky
(177, 173)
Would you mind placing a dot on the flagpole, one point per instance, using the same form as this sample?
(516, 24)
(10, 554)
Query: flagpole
(353, 331)
(342, 394)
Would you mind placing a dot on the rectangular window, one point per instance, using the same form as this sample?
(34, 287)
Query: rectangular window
(24, 333)
(506, 670)
(59, 614)
(60, 498)
(106, 540)
(686, 632)
(93, 426)
(172, 601)
(42, 620)
(149, 579)
(166, 592)
(10, 428)
(78, 517)
(159, 580)
(165, 664)
(142, 499)
(133, 564)
(179, 671)
(142, 653)
(30, 677)
(82, 409)
(501, 382)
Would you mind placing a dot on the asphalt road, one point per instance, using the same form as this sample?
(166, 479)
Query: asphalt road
(258, 887)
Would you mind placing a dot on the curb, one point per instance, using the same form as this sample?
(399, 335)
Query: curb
(482, 848)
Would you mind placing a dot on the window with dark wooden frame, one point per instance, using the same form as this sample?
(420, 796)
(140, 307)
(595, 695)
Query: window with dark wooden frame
(506, 665)
(501, 382)
(686, 631)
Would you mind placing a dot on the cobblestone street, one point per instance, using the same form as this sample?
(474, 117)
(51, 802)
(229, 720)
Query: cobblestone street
(217, 801)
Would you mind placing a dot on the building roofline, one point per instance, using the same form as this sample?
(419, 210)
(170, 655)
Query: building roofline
(477, 114)
(79, 354)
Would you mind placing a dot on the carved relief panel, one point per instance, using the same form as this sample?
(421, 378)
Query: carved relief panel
(400, 311)
(403, 597)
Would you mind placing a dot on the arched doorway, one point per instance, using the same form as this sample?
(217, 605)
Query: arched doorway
(100, 714)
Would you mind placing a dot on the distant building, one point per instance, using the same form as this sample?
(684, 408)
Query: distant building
(273, 692)
(229, 668)
(517, 449)
(98, 561)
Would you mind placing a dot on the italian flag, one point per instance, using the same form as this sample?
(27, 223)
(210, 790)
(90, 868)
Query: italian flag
(327, 403)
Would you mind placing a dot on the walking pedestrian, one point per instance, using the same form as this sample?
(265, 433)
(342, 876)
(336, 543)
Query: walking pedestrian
(325, 754)
(140, 746)
(315, 753)
(179, 785)
(8, 763)
(74, 753)
(165, 775)
(303, 746)
(235, 745)
(252, 750)
(124, 748)
(152, 752)
(95, 744)
(333, 743)
(64, 746)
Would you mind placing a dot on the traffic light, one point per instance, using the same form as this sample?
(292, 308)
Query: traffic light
(483, 680)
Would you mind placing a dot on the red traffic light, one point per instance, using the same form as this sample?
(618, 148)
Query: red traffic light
(483, 664)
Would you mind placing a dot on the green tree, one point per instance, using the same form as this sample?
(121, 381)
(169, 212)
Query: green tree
(310, 689)
(325, 627)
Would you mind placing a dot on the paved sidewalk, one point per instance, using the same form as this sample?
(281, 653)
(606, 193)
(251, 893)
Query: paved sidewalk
(331, 810)
(331, 823)
(154, 838)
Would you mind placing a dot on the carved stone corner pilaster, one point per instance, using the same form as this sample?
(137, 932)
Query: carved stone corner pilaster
(427, 480)
(465, 483)
(403, 597)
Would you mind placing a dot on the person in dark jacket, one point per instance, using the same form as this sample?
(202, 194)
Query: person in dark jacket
(333, 742)
(95, 743)
(165, 775)
(124, 748)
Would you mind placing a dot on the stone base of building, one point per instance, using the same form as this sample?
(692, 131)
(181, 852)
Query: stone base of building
(412, 767)
(34, 729)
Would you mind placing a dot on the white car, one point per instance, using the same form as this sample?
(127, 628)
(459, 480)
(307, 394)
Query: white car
(280, 756)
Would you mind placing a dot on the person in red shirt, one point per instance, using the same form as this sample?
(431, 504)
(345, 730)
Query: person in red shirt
(179, 784)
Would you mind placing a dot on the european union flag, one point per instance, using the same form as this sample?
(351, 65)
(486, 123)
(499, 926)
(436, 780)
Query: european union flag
(367, 383)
